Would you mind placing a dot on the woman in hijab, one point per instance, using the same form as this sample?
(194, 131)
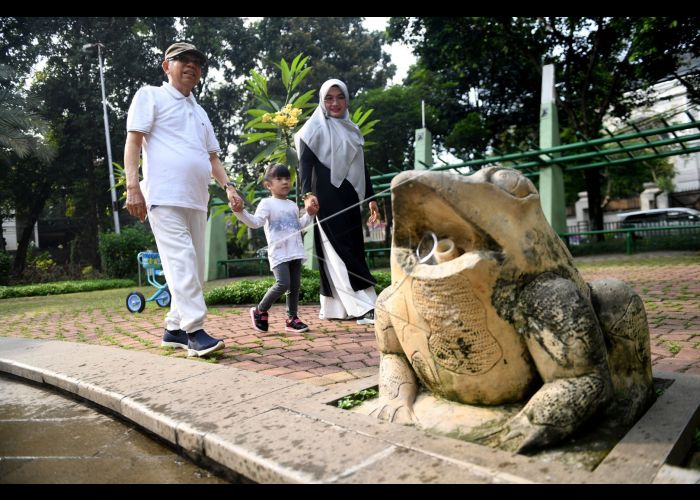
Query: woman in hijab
(334, 178)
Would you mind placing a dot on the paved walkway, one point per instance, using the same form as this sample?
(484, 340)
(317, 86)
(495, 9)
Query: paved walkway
(337, 351)
(285, 428)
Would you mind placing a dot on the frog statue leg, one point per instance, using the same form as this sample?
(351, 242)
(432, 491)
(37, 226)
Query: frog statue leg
(397, 381)
(566, 343)
(623, 320)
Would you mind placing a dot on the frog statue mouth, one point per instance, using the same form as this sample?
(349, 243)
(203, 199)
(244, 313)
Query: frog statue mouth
(440, 217)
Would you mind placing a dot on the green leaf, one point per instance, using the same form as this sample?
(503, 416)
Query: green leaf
(368, 128)
(286, 76)
(300, 77)
(257, 112)
(264, 154)
(258, 136)
(301, 101)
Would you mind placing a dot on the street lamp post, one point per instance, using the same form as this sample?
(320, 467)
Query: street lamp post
(89, 47)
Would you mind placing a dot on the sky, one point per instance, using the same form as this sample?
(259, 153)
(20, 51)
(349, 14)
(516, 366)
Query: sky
(400, 54)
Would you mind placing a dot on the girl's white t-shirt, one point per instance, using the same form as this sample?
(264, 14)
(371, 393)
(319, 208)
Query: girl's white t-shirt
(282, 228)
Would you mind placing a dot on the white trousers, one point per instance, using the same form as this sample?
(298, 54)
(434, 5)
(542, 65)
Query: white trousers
(180, 235)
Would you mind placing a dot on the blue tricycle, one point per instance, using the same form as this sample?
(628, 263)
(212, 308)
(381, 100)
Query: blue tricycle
(135, 301)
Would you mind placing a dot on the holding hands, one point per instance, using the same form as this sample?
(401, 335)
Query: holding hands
(234, 199)
(311, 204)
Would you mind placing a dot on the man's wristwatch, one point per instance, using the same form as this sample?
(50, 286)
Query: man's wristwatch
(229, 183)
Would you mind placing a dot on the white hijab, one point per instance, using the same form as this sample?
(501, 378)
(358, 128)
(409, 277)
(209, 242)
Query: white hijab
(336, 142)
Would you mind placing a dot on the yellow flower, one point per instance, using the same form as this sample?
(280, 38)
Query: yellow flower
(287, 117)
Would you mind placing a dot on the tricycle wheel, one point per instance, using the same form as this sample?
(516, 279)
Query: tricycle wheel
(163, 299)
(135, 302)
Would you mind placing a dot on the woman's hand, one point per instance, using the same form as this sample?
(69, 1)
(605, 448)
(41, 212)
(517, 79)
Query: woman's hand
(311, 204)
(373, 212)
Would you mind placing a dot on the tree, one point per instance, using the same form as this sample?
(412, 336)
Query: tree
(338, 47)
(605, 67)
(69, 85)
(232, 51)
(21, 131)
(400, 110)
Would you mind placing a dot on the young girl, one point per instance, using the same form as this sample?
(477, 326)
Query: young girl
(285, 248)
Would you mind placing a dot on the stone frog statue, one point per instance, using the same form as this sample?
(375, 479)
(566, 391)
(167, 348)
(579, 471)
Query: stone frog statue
(486, 308)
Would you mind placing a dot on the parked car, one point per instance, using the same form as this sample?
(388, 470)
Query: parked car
(659, 217)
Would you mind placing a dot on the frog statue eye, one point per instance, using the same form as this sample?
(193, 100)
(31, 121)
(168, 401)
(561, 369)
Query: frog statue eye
(513, 182)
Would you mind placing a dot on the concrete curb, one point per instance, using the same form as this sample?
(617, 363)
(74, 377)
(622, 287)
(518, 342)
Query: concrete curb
(276, 430)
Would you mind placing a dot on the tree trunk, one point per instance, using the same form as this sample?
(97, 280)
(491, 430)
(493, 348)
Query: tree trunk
(595, 211)
(85, 244)
(20, 262)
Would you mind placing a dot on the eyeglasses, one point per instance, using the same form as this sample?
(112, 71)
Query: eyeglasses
(329, 99)
(186, 59)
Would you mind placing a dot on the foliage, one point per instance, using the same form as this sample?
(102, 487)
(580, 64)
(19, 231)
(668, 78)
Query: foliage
(279, 119)
(357, 398)
(252, 291)
(61, 287)
(23, 141)
(5, 266)
(338, 47)
(21, 127)
(486, 72)
(687, 241)
(119, 251)
(399, 107)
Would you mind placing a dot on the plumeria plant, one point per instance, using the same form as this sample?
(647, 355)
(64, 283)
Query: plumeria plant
(275, 122)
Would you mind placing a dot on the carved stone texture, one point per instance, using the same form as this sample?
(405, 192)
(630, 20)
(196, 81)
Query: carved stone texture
(486, 307)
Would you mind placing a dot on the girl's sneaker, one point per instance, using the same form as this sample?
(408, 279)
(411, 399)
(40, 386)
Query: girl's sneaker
(259, 319)
(295, 325)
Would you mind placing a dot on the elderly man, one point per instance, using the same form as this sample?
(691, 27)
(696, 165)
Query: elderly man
(180, 154)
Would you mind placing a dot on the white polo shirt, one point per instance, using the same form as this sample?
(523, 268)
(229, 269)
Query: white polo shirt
(176, 147)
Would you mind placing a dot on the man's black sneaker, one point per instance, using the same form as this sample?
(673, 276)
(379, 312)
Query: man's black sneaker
(259, 319)
(367, 318)
(295, 325)
(200, 344)
(174, 338)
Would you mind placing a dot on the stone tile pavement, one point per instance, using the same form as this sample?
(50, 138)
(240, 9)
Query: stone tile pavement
(338, 351)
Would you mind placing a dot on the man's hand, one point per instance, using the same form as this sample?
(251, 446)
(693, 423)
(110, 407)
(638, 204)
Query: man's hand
(136, 203)
(234, 200)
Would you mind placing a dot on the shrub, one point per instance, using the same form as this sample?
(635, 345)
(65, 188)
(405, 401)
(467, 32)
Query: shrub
(251, 292)
(118, 251)
(60, 287)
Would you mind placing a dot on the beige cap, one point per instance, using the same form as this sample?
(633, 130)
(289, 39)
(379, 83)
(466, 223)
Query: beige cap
(181, 47)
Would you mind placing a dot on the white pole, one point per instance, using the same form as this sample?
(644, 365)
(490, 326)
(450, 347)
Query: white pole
(115, 211)
(422, 108)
